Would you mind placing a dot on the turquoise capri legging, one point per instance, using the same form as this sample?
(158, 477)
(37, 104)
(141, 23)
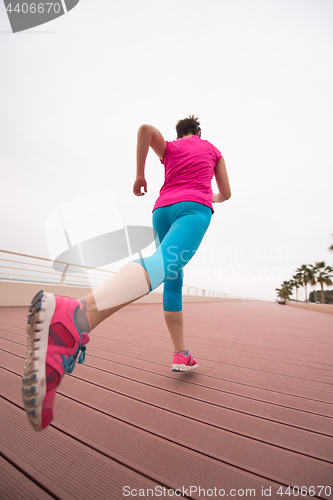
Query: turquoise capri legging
(180, 228)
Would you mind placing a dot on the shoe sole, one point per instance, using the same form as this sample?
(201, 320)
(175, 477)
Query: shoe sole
(33, 379)
(183, 368)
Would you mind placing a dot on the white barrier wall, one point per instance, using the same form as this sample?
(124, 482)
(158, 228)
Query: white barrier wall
(20, 293)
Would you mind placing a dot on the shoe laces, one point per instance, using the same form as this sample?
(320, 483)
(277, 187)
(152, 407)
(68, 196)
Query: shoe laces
(70, 363)
(186, 352)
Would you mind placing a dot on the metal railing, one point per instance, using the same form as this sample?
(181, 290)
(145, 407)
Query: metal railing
(27, 268)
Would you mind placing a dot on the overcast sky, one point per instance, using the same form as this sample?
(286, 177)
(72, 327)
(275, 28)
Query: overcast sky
(257, 73)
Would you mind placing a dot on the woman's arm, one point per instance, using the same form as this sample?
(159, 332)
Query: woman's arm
(148, 136)
(222, 182)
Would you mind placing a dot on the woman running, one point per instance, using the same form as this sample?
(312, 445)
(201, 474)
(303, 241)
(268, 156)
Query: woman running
(58, 327)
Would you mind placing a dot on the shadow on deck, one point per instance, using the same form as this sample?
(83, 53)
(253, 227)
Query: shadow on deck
(257, 414)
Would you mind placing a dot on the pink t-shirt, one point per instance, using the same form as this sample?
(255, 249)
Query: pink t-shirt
(189, 168)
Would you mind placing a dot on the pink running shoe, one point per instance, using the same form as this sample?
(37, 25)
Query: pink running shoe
(54, 343)
(183, 361)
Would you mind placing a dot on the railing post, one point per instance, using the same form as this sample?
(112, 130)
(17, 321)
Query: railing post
(63, 276)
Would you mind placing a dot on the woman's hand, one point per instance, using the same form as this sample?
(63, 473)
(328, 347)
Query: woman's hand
(215, 198)
(138, 184)
(218, 198)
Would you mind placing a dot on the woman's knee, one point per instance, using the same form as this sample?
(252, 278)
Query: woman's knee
(172, 299)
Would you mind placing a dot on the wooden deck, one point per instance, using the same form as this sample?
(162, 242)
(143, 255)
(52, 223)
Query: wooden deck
(257, 414)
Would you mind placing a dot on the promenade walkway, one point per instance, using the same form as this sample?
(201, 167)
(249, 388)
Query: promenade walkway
(257, 415)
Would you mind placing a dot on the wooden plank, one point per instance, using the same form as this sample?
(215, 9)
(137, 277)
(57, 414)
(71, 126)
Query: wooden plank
(216, 377)
(173, 400)
(195, 386)
(166, 461)
(16, 486)
(260, 405)
(62, 464)
(209, 440)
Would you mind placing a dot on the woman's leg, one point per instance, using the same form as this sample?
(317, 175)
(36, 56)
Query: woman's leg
(162, 219)
(173, 314)
(58, 329)
(180, 228)
(56, 341)
(128, 284)
(172, 293)
(175, 324)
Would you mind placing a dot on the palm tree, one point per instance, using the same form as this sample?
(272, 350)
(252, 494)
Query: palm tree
(299, 278)
(305, 277)
(285, 291)
(283, 294)
(295, 284)
(322, 274)
(288, 285)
